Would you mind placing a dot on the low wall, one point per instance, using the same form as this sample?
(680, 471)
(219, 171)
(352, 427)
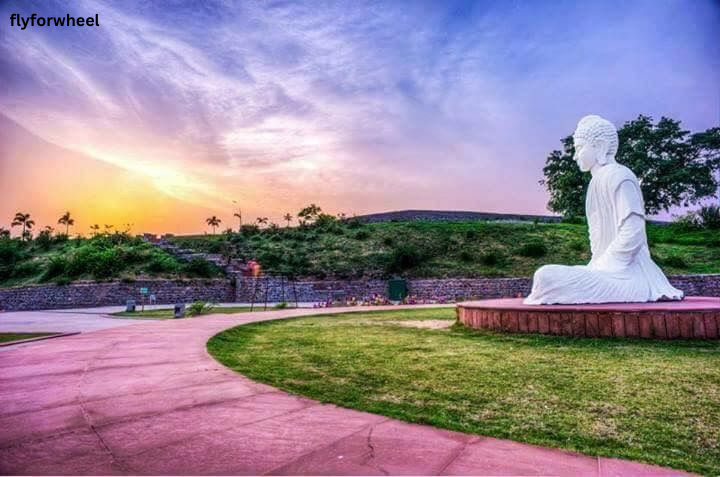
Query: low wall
(43, 297)
(278, 289)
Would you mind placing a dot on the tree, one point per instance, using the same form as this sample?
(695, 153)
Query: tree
(262, 220)
(288, 218)
(675, 168)
(95, 229)
(67, 221)
(26, 222)
(308, 214)
(4, 233)
(238, 214)
(213, 222)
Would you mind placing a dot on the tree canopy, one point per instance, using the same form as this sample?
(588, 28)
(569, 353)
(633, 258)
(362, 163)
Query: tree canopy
(675, 167)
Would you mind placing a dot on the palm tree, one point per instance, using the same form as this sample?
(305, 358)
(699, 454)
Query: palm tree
(95, 229)
(288, 218)
(213, 222)
(262, 220)
(4, 233)
(25, 221)
(238, 214)
(67, 221)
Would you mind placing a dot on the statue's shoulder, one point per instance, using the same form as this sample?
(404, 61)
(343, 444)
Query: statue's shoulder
(617, 174)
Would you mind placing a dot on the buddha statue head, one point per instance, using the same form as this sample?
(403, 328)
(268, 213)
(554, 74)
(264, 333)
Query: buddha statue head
(596, 142)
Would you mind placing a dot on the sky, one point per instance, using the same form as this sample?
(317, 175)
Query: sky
(170, 111)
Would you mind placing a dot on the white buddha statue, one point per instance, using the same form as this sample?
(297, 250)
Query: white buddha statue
(620, 269)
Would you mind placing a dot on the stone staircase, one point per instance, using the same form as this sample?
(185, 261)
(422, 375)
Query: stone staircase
(186, 255)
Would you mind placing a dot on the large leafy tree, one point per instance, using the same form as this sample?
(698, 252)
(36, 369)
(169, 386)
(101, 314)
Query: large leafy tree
(675, 167)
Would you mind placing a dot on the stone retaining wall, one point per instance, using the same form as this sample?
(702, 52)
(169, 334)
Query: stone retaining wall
(279, 289)
(44, 297)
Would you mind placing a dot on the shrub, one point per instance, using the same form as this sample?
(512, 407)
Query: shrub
(161, 263)
(281, 306)
(709, 216)
(26, 269)
(467, 256)
(56, 267)
(472, 234)
(491, 258)
(11, 253)
(405, 257)
(535, 249)
(199, 308)
(199, 267)
(687, 222)
(354, 223)
(362, 235)
(577, 245)
(675, 261)
(388, 241)
(44, 239)
(574, 219)
(248, 230)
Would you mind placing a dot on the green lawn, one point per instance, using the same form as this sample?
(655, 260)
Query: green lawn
(7, 337)
(164, 313)
(651, 401)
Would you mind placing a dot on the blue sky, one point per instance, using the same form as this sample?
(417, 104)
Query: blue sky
(359, 106)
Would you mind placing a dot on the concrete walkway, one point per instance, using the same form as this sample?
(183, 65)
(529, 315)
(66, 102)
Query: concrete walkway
(148, 399)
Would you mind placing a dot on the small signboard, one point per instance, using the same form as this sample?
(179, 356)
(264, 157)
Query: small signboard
(143, 291)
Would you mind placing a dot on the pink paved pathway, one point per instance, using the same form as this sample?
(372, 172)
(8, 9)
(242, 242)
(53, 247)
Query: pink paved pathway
(148, 399)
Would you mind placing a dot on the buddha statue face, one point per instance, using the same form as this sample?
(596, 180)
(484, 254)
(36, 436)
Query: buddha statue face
(588, 153)
(596, 142)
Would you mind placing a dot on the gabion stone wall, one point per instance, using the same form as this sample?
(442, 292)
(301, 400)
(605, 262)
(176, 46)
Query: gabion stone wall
(243, 289)
(43, 297)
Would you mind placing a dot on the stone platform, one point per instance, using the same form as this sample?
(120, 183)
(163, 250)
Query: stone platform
(694, 317)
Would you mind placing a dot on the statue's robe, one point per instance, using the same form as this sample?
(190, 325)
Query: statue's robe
(621, 269)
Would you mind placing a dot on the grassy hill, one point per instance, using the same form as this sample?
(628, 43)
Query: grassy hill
(345, 250)
(104, 257)
(442, 249)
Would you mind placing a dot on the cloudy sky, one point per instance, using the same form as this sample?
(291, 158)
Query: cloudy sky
(170, 111)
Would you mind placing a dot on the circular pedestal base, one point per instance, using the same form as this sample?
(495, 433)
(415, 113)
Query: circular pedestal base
(693, 317)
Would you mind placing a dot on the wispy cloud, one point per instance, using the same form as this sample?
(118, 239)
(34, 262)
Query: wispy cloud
(447, 103)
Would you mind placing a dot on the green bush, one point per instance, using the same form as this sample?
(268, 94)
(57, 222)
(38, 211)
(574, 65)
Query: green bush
(404, 257)
(199, 308)
(709, 216)
(26, 269)
(687, 222)
(162, 263)
(490, 258)
(534, 249)
(44, 239)
(57, 266)
(12, 252)
(577, 245)
(467, 256)
(281, 306)
(675, 261)
(362, 235)
(199, 267)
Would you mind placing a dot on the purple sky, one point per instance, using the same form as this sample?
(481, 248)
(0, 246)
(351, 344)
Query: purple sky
(358, 106)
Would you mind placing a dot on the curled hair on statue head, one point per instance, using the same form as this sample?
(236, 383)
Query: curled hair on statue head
(595, 129)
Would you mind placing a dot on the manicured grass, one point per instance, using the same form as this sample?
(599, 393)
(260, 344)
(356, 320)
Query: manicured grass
(7, 337)
(164, 313)
(651, 401)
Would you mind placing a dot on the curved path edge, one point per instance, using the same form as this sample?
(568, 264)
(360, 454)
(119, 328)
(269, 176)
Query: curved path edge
(148, 399)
